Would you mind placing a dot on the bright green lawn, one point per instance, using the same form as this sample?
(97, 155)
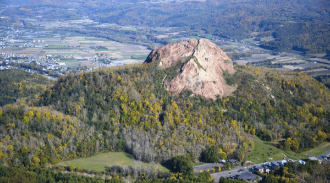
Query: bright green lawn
(100, 161)
(263, 152)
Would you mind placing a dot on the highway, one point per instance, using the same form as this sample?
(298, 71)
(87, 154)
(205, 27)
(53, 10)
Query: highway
(36, 55)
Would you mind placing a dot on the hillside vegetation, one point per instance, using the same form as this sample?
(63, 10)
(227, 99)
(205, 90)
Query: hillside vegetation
(289, 109)
(154, 124)
(127, 109)
(15, 84)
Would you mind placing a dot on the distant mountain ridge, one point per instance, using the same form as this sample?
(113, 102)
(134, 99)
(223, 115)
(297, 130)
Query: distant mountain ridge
(203, 65)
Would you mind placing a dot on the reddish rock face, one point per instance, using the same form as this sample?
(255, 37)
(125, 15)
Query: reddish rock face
(202, 71)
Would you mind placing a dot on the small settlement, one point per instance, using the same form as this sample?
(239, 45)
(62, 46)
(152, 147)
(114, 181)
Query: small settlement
(249, 173)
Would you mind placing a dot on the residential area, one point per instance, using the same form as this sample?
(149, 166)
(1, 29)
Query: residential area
(250, 173)
(55, 54)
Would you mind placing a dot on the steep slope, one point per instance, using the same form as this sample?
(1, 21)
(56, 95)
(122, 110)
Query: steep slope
(202, 68)
(131, 106)
(15, 84)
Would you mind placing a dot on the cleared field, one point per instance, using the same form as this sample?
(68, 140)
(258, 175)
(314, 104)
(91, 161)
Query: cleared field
(316, 72)
(287, 58)
(21, 51)
(101, 161)
(284, 60)
(291, 67)
(129, 28)
(120, 51)
(139, 57)
(59, 46)
(317, 151)
(261, 152)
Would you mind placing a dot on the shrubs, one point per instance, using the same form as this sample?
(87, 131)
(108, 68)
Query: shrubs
(72, 168)
(211, 154)
(182, 165)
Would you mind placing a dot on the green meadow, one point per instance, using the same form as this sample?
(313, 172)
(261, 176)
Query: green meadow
(101, 161)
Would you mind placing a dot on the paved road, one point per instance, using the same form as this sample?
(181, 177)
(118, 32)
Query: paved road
(36, 55)
(229, 173)
(233, 172)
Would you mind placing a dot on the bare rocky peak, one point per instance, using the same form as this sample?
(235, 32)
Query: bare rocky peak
(202, 69)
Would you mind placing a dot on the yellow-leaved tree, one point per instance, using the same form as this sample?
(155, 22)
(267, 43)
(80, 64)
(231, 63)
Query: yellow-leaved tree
(25, 150)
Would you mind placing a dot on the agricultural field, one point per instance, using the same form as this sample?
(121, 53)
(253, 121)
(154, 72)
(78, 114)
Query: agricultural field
(255, 58)
(21, 51)
(78, 51)
(312, 64)
(118, 51)
(101, 161)
(316, 72)
(239, 47)
(275, 59)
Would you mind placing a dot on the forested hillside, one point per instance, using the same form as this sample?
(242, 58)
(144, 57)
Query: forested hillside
(290, 109)
(38, 175)
(127, 109)
(155, 124)
(37, 136)
(305, 37)
(15, 84)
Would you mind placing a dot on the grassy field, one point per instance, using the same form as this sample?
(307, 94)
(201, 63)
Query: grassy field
(100, 161)
(317, 151)
(139, 57)
(261, 152)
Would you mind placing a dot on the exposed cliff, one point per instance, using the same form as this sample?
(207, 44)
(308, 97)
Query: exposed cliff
(203, 64)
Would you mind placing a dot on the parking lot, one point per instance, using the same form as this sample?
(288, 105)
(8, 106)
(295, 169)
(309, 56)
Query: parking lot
(229, 173)
(209, 167)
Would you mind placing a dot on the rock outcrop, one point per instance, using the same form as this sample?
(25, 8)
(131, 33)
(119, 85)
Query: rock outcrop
(203, 64)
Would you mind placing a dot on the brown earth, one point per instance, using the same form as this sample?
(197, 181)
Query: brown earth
(202, 70)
